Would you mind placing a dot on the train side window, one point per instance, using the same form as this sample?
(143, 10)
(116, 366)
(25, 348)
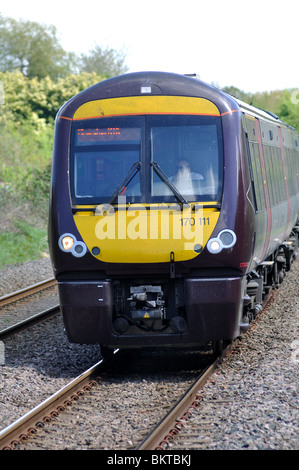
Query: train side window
(270, 174)
(252, 168)
(259, 181)
(295, 154)
(290, 172)
(281, 179)
(254, 163)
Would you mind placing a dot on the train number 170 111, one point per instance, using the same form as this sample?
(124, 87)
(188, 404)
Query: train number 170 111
(192, 221)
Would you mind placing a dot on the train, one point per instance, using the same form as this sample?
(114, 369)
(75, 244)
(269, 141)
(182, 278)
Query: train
(173, 212)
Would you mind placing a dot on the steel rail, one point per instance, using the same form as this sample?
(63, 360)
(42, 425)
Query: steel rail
(23, 427)
(22, 293)
(173, 421)
(38, 317)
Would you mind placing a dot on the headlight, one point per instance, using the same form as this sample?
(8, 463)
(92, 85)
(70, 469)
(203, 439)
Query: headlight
(214, 246)
(225, 239)
(68, 243)
(79, 249)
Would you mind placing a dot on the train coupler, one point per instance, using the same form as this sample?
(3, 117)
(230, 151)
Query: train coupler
(146, 302)
(147, 314)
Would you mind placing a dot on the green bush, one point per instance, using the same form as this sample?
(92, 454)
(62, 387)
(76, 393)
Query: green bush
(20, 148)
(26, 136)
(25, 243)
(29, 183)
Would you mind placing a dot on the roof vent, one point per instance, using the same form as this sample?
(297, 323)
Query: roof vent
(194, 75)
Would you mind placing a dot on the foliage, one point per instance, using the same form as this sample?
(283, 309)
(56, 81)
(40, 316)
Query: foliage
(36, 78)
(279, 102)
(23, 233)
(23, 146)
(24, 243)
(240, 94)
(31, 184)
(32, 48)
(107, 62)
(28, 114)
(37, 101)
(27, 187)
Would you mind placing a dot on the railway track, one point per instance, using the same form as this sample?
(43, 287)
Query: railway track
(174, 421)
(21, 294)
(159, 438)
(21, 430)
(32, 320)
(26, 292)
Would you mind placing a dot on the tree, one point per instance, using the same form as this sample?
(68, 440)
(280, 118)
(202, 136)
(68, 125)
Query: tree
(279, 102)
(237, 93)
(33, 49)
(105, 62)
(36, 101)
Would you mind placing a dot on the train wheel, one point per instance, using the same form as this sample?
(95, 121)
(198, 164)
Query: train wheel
(218, 347)
(105, 352)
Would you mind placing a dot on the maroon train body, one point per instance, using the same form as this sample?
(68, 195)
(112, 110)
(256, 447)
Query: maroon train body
(115, 148)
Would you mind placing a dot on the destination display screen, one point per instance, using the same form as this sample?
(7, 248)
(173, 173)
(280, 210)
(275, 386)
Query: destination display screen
(108, 134)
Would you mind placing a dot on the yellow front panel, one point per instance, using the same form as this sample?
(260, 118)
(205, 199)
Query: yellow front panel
(145, 105)
(147, 235)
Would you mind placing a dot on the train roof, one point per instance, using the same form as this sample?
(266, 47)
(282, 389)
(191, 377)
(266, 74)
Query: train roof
(164, 83)
(159, 83)
(267, 115)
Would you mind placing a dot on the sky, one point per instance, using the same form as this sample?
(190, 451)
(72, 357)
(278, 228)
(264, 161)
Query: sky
(252, 47)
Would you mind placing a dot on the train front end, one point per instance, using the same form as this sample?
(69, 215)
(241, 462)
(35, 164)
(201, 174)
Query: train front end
(145, 246)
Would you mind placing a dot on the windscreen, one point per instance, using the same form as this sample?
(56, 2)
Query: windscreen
(102, 158)
(147, 159)
(189, 156)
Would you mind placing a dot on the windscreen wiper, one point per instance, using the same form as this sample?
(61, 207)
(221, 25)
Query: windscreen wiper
(127, 179)
(167, 181)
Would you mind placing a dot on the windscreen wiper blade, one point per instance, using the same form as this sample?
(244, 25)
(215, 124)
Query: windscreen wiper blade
(126, 180)
(167, 181)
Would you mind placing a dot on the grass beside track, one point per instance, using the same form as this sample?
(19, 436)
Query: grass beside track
(23, 229)
(26, 243)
